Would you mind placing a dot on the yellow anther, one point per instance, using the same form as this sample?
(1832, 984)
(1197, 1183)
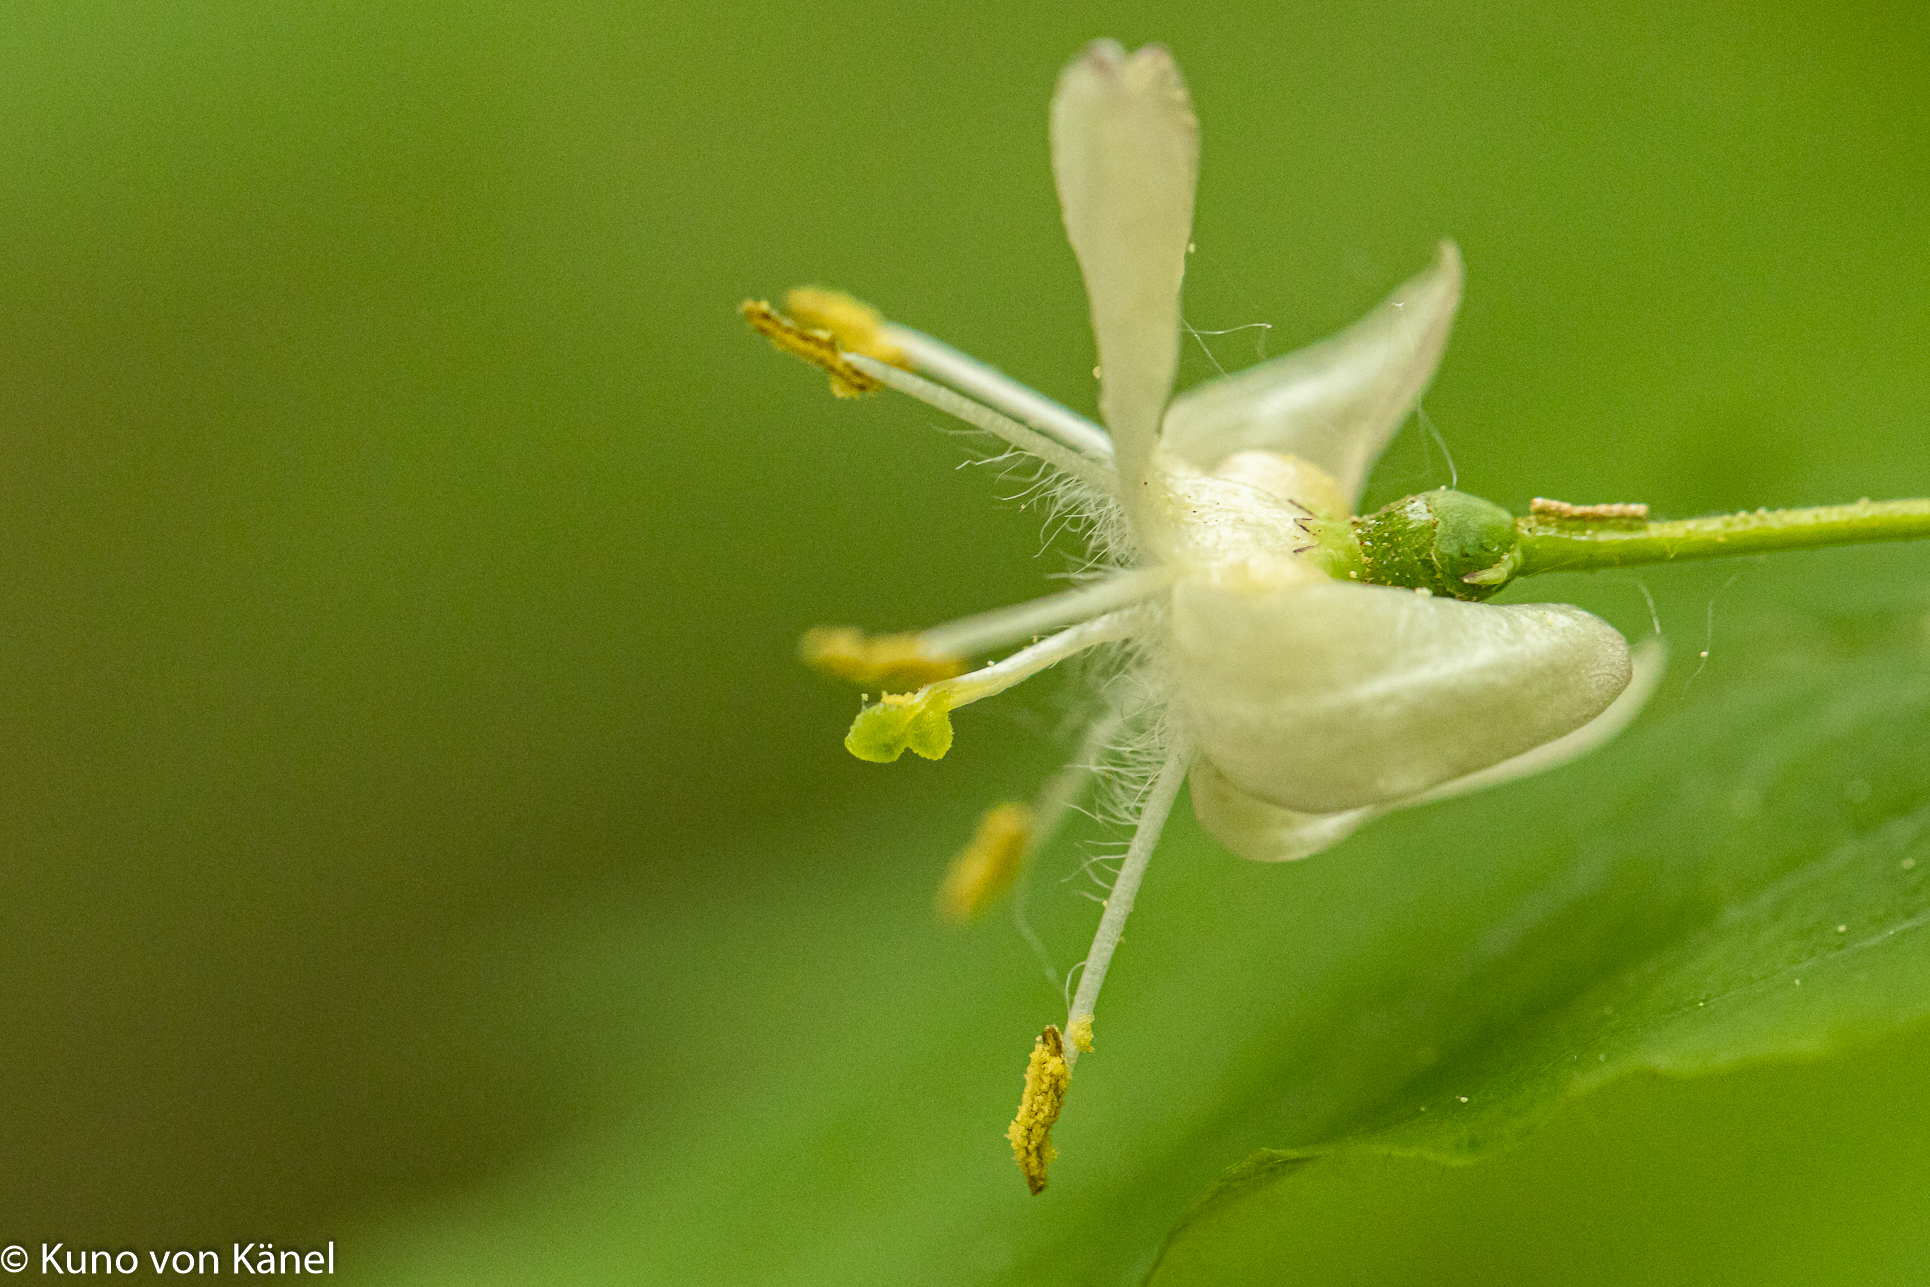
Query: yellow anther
(919, 722)
(816, 347)
(880, 661)
(1080, 1031)
(854, 324)
(1046, 1077)
(986, 868)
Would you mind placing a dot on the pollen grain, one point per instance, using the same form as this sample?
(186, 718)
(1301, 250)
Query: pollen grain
(1046, 1078)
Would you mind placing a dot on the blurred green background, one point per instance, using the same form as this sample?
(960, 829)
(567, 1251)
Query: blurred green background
(418, 833)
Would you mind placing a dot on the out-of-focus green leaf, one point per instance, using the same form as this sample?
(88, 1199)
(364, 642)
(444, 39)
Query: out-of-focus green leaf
(1779, 1174)
(1650, 908)
(1754, 881)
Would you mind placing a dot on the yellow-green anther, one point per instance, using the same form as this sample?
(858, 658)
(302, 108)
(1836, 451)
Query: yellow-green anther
(921, 722)
(916, 722)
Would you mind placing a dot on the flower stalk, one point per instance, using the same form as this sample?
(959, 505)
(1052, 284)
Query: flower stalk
(1588, 546)
(1450, 543)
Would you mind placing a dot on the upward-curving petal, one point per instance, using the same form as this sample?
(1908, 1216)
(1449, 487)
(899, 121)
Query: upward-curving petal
(1125, 154)
(1335, 403)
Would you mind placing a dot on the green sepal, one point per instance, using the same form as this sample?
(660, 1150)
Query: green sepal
(885, 730)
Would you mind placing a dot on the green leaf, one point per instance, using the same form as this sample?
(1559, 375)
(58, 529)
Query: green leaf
(1756, 883)
(832, 1110)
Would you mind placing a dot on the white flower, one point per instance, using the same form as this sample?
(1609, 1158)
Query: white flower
(1300, 700)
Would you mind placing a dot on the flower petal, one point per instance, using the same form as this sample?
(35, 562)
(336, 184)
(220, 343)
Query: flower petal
(1125, 154)
(1263, 832)
(1648, 660)
(1335, 403)
(1326, 697)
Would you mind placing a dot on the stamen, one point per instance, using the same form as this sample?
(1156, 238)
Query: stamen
(819, 348)
(920, 721)
(986, 867)
(1080, 1034)
(876, 661)
(1046, 1075)
(993, 387)
(987, 630)
(1027, 662)
(854, 324)
(1119, 903)
(983, 417)
(854, 373)
(856, 327)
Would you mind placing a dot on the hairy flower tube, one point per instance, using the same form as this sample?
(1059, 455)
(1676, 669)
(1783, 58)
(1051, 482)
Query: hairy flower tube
(1304, 669)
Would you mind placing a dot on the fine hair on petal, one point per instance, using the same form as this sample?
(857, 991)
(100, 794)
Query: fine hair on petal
(1093, 518)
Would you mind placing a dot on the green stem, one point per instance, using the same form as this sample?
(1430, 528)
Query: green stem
(1447, 542)
(1590, 545)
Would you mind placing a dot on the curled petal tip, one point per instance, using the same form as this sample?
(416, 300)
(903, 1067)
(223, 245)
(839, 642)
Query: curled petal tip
(1104, 54)
(1108, 57)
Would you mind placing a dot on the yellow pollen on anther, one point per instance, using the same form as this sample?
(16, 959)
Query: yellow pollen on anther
(843, 652)
(854, 324)
(1046, 1078)
(819, 348)
(988, 865)
(1080, 1032)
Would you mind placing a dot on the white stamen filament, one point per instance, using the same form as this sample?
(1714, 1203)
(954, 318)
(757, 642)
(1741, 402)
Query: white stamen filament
(1119, 904)
(970, 636)
(1027, 662)
(993, 387)
(983, 417)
